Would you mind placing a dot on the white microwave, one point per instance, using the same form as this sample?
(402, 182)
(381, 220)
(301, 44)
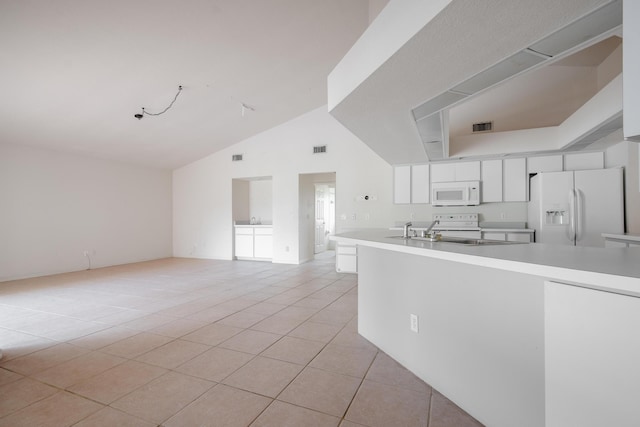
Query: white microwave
(461, 193)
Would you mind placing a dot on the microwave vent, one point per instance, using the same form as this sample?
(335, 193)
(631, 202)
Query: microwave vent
(483, 127)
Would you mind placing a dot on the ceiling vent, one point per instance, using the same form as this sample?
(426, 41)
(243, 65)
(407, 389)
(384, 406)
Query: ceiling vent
(482, 127)
(319, 149)
(236, 157)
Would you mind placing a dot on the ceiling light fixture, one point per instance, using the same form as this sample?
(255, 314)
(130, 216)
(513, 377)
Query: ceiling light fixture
(141, 115)
(246, 107)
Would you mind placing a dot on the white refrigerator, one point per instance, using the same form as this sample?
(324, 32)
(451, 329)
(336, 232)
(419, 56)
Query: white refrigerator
(576, 207)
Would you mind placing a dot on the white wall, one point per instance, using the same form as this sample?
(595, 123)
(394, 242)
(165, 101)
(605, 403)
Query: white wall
(202, 198)
(202, 190)
(55, 206)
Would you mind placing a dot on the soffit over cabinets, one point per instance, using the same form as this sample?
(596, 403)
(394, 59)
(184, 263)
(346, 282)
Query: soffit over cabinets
(456, 56)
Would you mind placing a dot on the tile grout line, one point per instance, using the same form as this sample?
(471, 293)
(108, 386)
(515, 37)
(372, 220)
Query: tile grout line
(174, 339)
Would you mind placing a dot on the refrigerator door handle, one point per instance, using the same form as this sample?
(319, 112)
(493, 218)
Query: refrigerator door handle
(579, 215)
(572, 216)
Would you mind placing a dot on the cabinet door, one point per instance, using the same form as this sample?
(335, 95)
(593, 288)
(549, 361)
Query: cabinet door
(402, 184)
(592, 349)
(491, 181)
(346, 259)
(520, 237)
(244, 243)
(515, 180)
(420, 184)
(544, 164)
(468, 171)
(494, 235)
(443, 172)
(583, 161)
(263, 246)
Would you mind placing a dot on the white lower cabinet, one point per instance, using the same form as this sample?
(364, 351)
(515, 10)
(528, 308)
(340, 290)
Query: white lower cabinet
(254, 243)
(263, 243)
(346, 259)
(244, 242)
(592, 349)
(508, 236)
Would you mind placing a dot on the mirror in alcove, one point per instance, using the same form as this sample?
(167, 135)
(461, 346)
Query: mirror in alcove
(252, 200)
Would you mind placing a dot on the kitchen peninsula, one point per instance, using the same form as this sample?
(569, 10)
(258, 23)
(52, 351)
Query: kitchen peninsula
(515, 334)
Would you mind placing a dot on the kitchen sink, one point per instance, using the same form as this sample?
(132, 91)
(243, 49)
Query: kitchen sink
(477, 242)
(461, 241)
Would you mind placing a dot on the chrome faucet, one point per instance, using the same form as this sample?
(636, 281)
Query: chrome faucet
(405, 233)
(425, 233)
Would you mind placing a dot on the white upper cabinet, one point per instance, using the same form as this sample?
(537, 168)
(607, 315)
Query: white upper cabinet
(402, 184)
(491, 181)
(443, 172)
(583, 161)
(420, 184)
(462, 171)
(515, 180)
(631, 69)
(411, 184)
(544, 164)
(468, 171)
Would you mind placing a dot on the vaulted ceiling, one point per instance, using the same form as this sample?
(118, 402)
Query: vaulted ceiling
(74, 72)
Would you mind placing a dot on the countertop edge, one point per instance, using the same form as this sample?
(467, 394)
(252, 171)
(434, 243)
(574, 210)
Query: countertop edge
(605, 281)
(625, 237)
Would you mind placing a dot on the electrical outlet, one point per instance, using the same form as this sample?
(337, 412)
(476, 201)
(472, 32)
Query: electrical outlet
(412, 215)
(85, 253)
(414, 322)
(503, 215)
(353, 217)
(367, 217)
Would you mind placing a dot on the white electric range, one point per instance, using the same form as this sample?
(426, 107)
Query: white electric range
(458, 225)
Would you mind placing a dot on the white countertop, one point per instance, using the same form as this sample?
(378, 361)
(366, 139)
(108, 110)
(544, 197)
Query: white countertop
(625, 237)
(247, 225)
(482, 229)
(507, 230)
(611, 269)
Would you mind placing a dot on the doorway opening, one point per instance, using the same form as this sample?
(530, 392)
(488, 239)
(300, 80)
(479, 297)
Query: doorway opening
(317, 214)
(325, 217)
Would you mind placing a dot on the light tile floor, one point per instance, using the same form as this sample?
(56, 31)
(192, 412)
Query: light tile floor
(181, 342)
